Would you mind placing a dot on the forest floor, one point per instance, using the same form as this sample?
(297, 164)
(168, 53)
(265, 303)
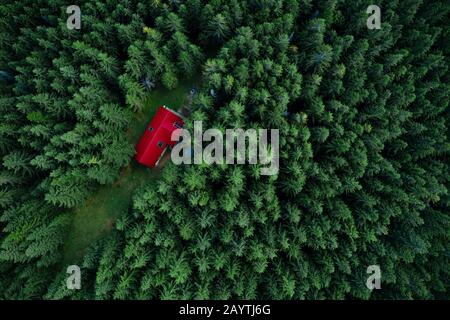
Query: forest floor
(97, 216)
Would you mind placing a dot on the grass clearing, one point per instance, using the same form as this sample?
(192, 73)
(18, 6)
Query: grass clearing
(98, 214)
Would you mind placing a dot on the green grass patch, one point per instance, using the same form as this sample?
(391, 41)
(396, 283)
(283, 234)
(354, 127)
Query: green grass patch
(97, 216)
(172, 99)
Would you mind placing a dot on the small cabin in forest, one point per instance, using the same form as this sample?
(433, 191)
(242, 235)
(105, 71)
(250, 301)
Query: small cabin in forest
(156, 137)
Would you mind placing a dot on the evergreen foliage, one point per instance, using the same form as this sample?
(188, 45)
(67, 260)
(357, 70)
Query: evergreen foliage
(364, 148)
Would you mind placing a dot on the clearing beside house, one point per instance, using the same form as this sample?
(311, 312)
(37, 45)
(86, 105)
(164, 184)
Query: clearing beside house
(98, 214)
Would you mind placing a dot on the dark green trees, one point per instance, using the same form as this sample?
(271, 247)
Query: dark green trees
(364, 149)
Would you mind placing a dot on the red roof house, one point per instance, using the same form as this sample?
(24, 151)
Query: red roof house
(157, 136)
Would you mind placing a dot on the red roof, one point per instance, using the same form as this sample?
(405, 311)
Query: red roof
(157, 136)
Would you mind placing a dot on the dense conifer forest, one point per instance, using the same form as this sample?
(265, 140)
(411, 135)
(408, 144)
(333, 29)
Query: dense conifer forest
(364, 124)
